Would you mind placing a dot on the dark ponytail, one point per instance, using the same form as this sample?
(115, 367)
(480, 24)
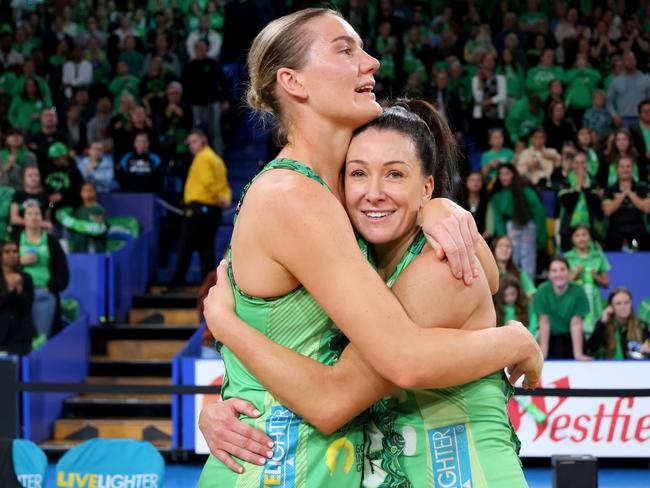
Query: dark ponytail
(432, 138)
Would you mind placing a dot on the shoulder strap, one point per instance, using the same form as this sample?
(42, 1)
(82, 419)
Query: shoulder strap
(414, 250)
(282, 163)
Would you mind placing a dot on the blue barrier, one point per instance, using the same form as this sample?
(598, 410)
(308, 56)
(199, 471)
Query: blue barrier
(128, 271)
(631, 271)
(9, 406)
(142, 206)
(64, 358)
(88, 279)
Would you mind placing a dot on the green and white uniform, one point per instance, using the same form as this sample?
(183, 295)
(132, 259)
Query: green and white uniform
(449, 437)
(303, 457)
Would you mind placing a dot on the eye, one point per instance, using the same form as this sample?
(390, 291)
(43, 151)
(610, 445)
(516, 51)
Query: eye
(357, 173)
(395, 175)
(347, 51)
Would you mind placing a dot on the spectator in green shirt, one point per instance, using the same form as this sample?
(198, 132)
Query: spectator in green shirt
(525, 115)
(123, 82)
(561, 307)
(539, 77)
(515, 78)
(589, 269)
(26, 107)
(518, 213)
(85, 238)
(496, 155)
(582, 81)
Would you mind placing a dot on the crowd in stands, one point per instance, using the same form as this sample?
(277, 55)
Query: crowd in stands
(549, 100)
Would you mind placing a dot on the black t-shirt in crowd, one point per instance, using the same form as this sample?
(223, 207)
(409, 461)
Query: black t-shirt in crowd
(627, 220)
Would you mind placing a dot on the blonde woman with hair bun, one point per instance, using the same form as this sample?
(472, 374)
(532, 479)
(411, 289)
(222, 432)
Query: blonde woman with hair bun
(296, 269)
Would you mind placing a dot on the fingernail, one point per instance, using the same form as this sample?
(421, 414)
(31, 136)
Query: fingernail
(269, 454)
(256, 413)
(270, 444)
(475, 271)
(240, 470)
(262, 460)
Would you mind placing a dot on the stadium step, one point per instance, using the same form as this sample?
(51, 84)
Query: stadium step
(130, 350)
(110, 405)
(153, 428)
(165, 300)
(176, 316)
(100, 335)
(102, 366)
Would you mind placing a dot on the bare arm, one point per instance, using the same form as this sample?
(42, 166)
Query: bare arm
(351, 384)
(328, 263)
(544, 334)
(642, 204)
(577, 339)
(611, 206)
(14, 215)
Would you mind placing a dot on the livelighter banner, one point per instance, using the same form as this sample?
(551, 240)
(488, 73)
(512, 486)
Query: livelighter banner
(602, 427)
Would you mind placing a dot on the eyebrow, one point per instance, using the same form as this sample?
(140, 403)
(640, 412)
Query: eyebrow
(349, 39)
(387, 163)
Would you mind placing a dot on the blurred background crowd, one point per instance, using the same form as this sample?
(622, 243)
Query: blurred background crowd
(549, 101)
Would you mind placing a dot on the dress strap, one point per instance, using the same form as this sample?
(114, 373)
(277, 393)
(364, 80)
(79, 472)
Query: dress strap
(413, 250)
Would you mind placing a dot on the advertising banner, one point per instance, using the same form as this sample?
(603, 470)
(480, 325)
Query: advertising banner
(602, 427)
(207, 372)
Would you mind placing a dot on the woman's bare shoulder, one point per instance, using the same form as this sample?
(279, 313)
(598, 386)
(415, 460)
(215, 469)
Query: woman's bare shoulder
(433, 297)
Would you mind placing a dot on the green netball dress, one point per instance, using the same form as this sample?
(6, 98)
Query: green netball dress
(303, 457)
(449, 437)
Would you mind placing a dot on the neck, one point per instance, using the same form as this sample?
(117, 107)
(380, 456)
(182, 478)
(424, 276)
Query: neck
(390, 253)
(501, 264)
(7, 269)
(583, 251)
(560, 290)
(473, 196)
(32, 233)
(320, 145)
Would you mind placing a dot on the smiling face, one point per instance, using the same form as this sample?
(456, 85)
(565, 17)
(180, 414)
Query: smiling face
(384, 185)
(558, 274)
(337, 79)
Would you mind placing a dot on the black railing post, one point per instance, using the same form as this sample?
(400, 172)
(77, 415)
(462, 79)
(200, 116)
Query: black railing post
(9, 405)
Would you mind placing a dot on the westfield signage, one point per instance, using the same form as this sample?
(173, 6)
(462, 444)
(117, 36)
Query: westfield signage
(603, 427)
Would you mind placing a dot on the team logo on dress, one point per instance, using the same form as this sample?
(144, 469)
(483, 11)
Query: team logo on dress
(282, 425)
(332, 453)
(450, 456)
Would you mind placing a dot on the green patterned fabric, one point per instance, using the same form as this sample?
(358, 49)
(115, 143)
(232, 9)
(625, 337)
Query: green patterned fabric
(411, 430)
(304, 457)
(124, 224)
(69, 309)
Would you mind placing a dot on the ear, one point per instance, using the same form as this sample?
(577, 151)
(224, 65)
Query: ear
(289, 80)
(427, 191)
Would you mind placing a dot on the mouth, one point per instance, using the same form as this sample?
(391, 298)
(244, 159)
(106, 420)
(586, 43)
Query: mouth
(376, 216)
(367, 88)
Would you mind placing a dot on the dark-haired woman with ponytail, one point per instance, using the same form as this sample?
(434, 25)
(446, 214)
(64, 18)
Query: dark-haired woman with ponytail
(394, 165)
(518, 213)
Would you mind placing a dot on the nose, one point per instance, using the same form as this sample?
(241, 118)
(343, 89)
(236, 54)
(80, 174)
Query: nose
(369, 64)
(374, 190)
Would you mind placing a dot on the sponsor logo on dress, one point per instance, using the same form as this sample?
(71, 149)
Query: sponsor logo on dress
(450, 456)
(282, 426)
